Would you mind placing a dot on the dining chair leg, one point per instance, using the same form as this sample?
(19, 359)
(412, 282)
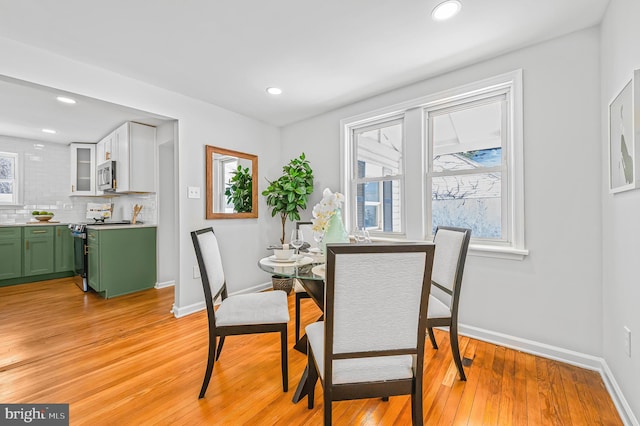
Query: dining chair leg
(416, 403)
(220, 347)
(210, 361)
(297, 317)
(312, 379)
(327, 408)
(455, 350)
(284, 358)
(432, 337)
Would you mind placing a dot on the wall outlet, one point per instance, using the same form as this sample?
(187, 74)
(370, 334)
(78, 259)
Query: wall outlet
(196, 272)
(193, 192)
(627, 341)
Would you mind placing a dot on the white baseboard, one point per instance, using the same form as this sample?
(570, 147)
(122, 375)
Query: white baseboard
(164, 284)
(578, 359)
(181, 311)
(628, 418)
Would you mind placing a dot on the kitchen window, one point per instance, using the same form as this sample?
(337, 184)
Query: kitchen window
(8, 178)
(453, 158)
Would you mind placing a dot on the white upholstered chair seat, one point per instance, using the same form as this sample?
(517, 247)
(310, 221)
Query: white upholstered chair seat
(360, 369)
(437, 309)
(256, 308)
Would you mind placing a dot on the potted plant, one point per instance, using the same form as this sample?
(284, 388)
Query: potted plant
(288, 194)
(238, 191)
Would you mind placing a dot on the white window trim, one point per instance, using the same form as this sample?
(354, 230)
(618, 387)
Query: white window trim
(413, 112)
(349, 186)
(17, 181)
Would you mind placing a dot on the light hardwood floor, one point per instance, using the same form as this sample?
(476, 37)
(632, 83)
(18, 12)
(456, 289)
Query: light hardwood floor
(128, 361)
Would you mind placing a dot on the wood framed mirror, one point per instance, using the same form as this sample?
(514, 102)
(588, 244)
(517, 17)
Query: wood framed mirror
(232, 189)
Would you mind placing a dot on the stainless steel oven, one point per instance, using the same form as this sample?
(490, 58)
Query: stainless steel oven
(106, 176)
(79, 232)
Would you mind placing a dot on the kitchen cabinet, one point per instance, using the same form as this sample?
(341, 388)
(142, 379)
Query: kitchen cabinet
(135, 154)
(83, 169)
(121, 260)
(104, 149)
(38, 250)
(35, 253)
(10, 252)
(63, 249)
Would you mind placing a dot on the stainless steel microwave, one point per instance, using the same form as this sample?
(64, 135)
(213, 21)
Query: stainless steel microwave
(106, 176)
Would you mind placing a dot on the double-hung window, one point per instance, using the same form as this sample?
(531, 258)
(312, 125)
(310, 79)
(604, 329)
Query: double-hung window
(466, 169)
(454, 158)
(8, 178)
(377, 176)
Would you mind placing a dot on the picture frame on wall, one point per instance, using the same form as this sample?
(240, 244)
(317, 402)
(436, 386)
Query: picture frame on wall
(624, 128)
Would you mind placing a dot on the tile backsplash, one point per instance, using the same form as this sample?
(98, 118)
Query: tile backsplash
(44, 172)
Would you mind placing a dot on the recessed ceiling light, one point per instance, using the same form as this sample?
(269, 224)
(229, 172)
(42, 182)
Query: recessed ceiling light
(66, 100)
(49, 131)
(274, 90)
(446, 10)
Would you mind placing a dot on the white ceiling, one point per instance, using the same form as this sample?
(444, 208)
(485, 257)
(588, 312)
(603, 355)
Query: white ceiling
(322, 54)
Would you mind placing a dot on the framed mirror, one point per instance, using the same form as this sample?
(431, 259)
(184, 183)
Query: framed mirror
(232, 190)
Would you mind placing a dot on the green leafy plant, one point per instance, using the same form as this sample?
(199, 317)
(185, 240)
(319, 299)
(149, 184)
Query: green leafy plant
(288, 194)
(239, 190)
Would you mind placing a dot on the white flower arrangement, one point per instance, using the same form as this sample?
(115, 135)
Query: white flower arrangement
(327, 207)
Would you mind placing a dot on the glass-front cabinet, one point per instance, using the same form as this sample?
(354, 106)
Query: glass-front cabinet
(83, 169)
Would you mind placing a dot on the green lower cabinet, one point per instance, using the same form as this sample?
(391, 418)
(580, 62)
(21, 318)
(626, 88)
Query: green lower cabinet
(121, 261)
(10, 253)
(93, 260)
(38, 250)
(63, 258)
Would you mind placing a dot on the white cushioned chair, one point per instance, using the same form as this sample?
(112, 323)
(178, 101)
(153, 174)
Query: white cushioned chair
(371, 343)
(448, 266)
(241, 314)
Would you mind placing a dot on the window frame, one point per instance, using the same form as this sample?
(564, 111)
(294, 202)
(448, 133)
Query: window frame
(416, 215)
(484, 98)
(354, 181)
(16, 179)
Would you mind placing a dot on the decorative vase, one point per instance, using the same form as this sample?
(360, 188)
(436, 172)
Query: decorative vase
(335, 232)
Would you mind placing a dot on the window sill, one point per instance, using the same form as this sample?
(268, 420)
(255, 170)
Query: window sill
(479, 250)
(508, 253)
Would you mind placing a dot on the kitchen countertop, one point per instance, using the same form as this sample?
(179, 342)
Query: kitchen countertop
(121, 226)
(108, 226)
(6, 225)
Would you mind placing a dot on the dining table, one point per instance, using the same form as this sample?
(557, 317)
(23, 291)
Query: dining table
(308, 268)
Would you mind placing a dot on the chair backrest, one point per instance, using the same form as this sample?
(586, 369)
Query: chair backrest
(376, 299)
(448, 264)
(307, 233)
(205, 244)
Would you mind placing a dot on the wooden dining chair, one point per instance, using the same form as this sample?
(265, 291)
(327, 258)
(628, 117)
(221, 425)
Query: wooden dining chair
(371, 343)
(448, 266)
(298, 289)
(239, 314)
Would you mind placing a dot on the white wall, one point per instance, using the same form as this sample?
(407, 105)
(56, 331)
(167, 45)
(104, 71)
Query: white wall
(554, 296)
(167, 243)
(620, 212)
(243, 241)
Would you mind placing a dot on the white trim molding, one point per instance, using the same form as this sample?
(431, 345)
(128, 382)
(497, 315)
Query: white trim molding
(164, 284)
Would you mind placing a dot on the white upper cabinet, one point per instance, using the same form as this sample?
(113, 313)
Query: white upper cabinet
(134, 151)
(83, 169)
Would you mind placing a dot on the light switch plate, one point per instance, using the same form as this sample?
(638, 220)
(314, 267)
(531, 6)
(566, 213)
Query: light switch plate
(193, 192)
